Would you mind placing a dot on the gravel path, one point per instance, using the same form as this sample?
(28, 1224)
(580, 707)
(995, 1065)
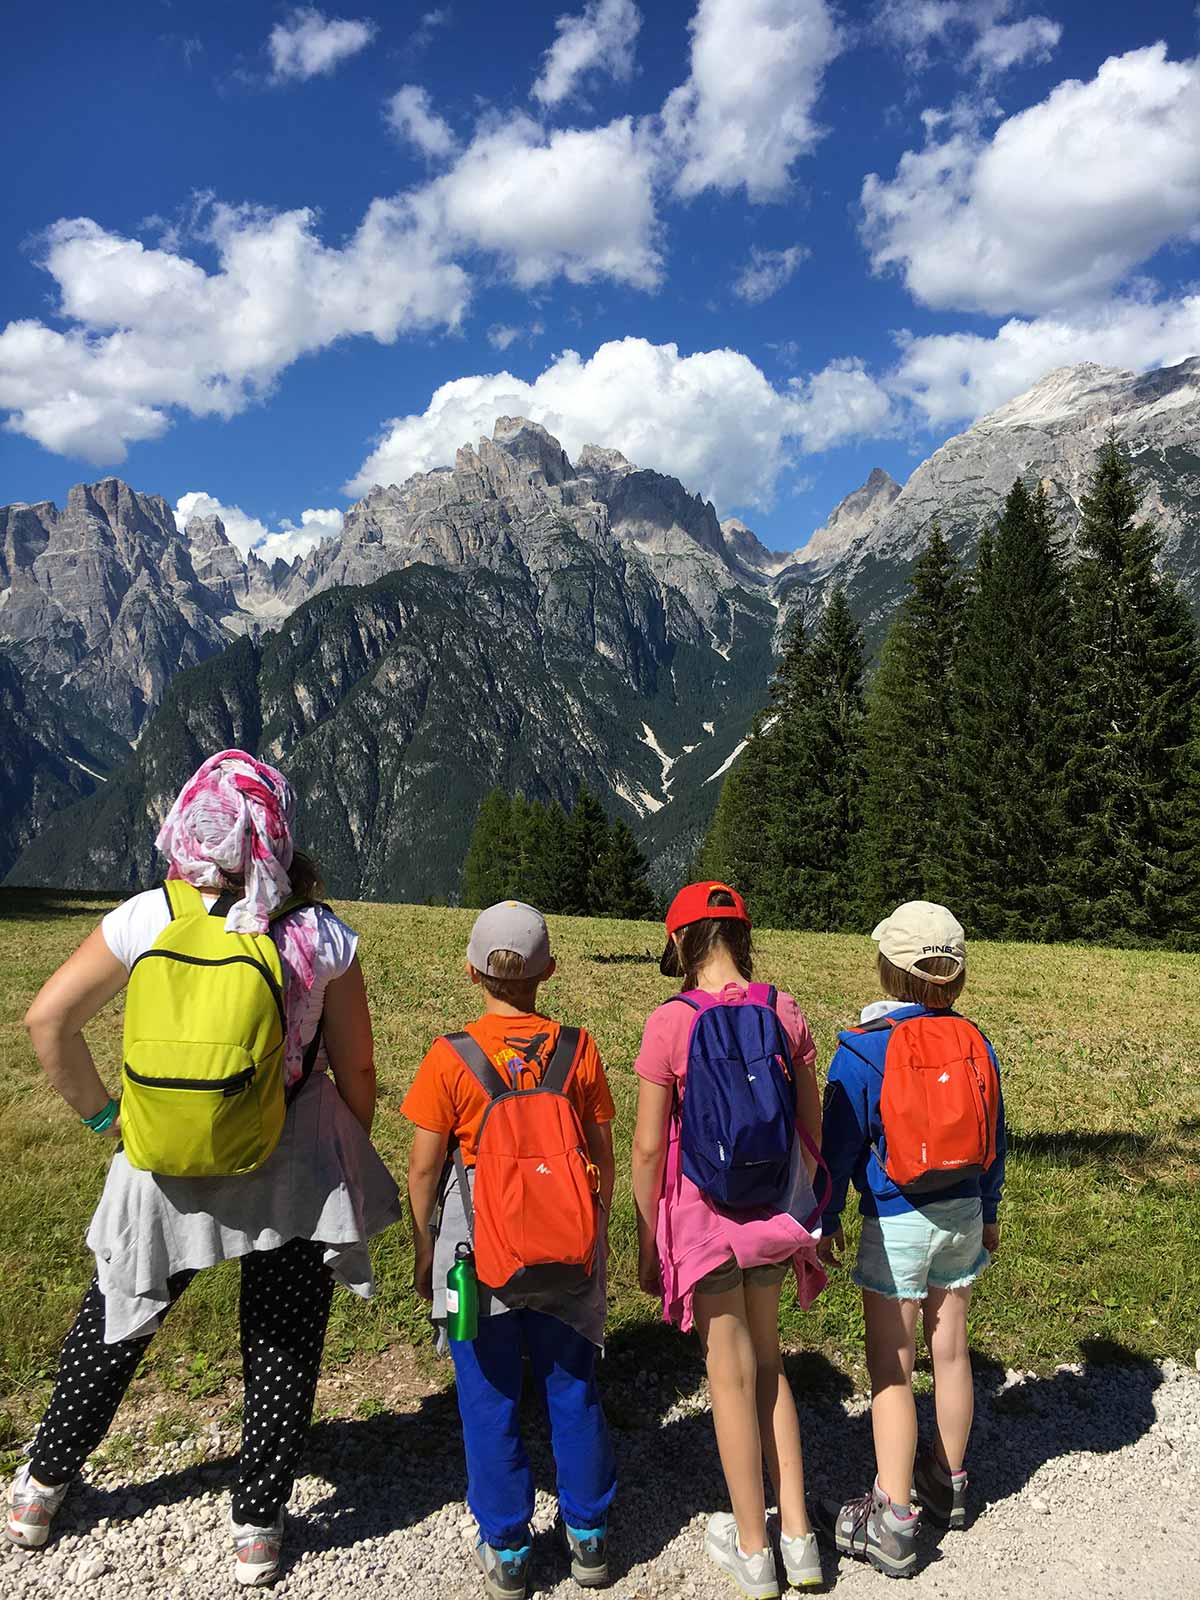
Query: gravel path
(1085, 1481)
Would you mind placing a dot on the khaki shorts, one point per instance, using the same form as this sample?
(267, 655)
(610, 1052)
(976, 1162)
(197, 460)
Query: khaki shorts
(730, 1276)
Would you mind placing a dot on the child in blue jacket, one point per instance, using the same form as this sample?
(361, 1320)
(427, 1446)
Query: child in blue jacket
(919, 1253)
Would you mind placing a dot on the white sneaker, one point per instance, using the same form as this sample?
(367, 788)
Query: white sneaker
(32, 1507)
(754, 1575)
(257, 1552)
(802, 1561)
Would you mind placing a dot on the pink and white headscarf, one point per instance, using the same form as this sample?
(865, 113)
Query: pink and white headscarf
(233, 819)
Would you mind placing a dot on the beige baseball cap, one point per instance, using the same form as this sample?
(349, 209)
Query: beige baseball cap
(919, 930)
(510, 925)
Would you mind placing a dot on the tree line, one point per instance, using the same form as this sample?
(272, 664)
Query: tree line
(578, 863)
(1026, 752)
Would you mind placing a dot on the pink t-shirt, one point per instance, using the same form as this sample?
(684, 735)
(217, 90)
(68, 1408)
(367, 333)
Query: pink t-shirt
(694, 1236)
(663, 1056)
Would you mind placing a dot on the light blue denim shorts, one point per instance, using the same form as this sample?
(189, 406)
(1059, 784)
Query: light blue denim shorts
(940, 1247)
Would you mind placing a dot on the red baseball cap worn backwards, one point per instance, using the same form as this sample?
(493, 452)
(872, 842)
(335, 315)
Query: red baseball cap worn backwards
(691, 905)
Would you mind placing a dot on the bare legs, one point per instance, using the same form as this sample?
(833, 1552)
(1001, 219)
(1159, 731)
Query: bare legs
(753, 1410)
(891, 1348)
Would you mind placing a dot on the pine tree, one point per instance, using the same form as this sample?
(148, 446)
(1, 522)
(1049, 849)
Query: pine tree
(587, 839)
(493, 862)
(904, 850)
(789, 812)
(618, 885)
(819, 810)
(737, 848)
(1014, 675)
(1132, 774)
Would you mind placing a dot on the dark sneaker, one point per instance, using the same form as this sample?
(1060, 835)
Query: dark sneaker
(588, 1549)
(869, 1530)
(942, 1494)
(505, 1572)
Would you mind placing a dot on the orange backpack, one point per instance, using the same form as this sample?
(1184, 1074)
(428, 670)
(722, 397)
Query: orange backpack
(536, 1190)
(939, 1104)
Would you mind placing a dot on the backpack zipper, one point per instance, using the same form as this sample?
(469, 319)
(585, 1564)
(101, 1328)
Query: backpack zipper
(223, 961)
(226, 1086)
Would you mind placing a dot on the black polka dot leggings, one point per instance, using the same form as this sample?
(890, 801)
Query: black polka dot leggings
(284, 1307)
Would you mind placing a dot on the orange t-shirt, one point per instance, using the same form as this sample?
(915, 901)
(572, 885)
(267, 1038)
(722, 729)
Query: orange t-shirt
(447, 1098)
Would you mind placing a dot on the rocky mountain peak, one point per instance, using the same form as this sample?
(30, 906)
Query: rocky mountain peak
(112, 501)
(599, 461)
(204, 534)
(530, 444)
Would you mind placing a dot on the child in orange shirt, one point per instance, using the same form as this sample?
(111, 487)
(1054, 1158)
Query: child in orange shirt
(557, 1320)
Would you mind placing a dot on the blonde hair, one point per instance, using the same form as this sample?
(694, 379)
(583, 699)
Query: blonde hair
(911, 989)
(507, 981)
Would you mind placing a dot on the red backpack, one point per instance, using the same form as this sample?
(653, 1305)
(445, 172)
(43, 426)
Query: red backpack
(940, 1101)
(536, 1191)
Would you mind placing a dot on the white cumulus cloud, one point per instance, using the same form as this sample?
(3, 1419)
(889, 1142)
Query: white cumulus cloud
(579, 202)
(150, 331)
(974, 32)
(957, 377)
(712, 419)
(767, 271)
(598, 39)
(309, 44)
(747, 111)
(410, 114)
(249, 533)
(1059, 205)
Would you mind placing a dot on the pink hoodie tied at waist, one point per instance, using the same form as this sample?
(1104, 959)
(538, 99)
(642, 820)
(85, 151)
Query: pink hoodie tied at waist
(694, 1238)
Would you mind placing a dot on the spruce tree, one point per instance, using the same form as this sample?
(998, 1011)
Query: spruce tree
(737, 848)
(790, 809)
(905, 848)
(1134, 868)
(587, 840)
(618, 885)
(493, 860)
(1014, 676)
(818, 811)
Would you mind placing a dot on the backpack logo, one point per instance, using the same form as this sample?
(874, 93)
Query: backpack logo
(945, 1078)
(542, 1167)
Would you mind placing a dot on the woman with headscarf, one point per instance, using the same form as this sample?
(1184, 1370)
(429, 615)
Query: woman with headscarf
(298, 1223)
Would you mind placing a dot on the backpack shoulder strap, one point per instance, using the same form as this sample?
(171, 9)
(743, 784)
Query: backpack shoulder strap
(560, 1069)
(182, 899)
(481, 1069)
(683, 1000)
(309, 1062)
(762, 994)
(880, 1025)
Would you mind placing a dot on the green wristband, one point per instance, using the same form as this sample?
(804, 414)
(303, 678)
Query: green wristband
(103, 1120)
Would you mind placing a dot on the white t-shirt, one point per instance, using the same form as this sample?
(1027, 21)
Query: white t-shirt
(131, 929)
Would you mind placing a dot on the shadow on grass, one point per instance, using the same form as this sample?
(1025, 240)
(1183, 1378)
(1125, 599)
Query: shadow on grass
(52, 905)
(1069, 1147)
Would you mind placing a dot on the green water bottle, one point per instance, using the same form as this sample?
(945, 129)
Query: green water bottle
(462, 1296)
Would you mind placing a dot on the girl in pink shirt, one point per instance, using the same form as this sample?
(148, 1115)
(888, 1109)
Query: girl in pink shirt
(724, 1271)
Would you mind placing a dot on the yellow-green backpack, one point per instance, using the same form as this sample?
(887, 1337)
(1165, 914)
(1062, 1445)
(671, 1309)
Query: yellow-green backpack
(203, 1088)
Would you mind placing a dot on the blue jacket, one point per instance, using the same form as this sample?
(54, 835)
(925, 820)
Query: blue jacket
(852, 1124)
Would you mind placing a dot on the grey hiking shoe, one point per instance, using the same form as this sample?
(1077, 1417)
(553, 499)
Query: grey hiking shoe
(32, 1507)
(505, 1572)
(588, 1549)
(942, 1494)
(754, 1575)
(869, 1530)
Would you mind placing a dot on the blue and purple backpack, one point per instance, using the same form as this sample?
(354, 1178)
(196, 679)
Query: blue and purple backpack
(738, 1120)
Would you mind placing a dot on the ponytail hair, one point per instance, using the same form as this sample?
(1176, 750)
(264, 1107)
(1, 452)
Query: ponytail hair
(693, 945)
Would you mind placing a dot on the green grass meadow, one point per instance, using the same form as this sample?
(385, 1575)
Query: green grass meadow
(1098, 1048)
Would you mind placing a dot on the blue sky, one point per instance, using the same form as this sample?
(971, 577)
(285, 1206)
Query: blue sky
(256, 256)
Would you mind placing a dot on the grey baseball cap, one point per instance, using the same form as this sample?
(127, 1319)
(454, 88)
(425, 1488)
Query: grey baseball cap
(511, 925)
